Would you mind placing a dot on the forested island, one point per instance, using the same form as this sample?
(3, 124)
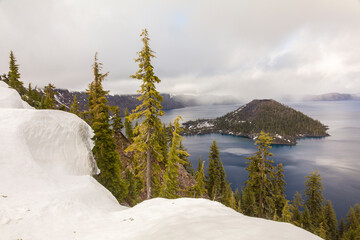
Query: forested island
(285, 124)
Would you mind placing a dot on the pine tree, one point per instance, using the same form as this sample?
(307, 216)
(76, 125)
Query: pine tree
(200, 187)
(216, 180)
(49, 102)
(237, 200)
(279, 189)
(260, 176)
(128, 126)
(14, 76)
(74, 108)
(314, 197)
(104, 151)
(248, 202)
(117, 124)
(341, 228)
(286, 214)
(145, 144)
(186, 162)
(330, 222)
(320, 230)
(306, 222)
(170, 184)
(296, 205)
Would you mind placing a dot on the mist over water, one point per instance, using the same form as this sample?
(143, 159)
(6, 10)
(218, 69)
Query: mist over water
(337, 157)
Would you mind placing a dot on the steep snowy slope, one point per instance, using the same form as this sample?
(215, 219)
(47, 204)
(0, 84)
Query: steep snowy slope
(47, 192)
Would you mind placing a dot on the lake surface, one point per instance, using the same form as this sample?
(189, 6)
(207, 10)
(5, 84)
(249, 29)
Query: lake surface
(337, 157)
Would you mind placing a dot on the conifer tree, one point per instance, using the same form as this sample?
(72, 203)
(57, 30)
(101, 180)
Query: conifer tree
(314, 197)
(170, 184)
(279, 189)
(104, 151)
(185, 160)
(320, 230)
(296, 205)
(128, 126)
(14, 76)
(306, 222)
(74, 108)
(237, 200)
(248, 202)
(330, 221)
(200, 187)
(286, 214)
(49, 102)
(260, 176)
(145, 144)
(117, 124)
(341, 228)
(216, 180)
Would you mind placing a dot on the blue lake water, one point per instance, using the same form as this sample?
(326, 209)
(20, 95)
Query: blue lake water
(337, 157)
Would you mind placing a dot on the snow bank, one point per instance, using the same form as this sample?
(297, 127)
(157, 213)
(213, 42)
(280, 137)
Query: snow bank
(47, 192)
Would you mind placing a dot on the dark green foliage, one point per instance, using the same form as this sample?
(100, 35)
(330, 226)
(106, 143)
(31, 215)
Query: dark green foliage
(306, 220)
(237, 200)
(341, 228)
(75, 106)
(128, 126)
(216, 178)
(260, 179)
(271, 117)
(33, 97)
(278, 184)
(145, 144)
(199, 189)
(314, 197)
(117, 124)
(296, 204)
(185, 160)
(286, 214)
(14, 76)
(170, 184)
(330, 222)
(248, 202)
(49, 102)
(104, 152)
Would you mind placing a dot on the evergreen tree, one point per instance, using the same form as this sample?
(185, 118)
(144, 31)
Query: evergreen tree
(351, 220)
(170, 185)
(320, 230)
(117, 124)
(330, 221)
(341, 228)
(49, 102)
(286, 214)
(248, 202)
(185, 160)
(279, 189)
(74, 108)
(306, 222)
(237, 200)
(260, 176)
(104, 151)
(14, 76)
(314, 197)
(200, 187)
(216, 180)
(128, 126)
(145, 144)
(296, 205)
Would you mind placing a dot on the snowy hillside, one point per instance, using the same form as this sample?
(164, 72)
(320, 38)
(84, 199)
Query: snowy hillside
(47, 192)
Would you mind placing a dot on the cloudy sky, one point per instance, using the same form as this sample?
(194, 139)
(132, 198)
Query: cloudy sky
(247, 48)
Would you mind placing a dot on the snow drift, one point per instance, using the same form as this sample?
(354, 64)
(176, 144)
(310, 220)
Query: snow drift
(47, 192)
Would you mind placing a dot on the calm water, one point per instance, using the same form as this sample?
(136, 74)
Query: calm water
(336, 157)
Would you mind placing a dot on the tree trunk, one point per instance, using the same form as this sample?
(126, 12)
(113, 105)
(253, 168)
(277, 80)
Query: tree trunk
(148, 174)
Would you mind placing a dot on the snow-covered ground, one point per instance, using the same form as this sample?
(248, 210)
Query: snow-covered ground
(47, 192)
